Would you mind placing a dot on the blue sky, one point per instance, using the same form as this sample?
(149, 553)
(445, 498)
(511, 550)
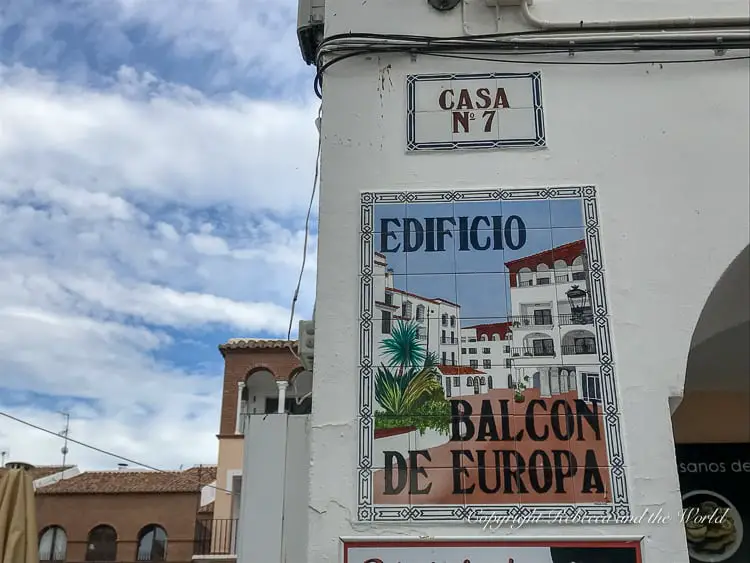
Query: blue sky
(150, 211)
(475, 279)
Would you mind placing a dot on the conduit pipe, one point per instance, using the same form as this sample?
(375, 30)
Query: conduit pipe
(670, 23)
(561, 38)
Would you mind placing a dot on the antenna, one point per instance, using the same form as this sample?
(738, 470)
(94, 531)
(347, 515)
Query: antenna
(64, 433)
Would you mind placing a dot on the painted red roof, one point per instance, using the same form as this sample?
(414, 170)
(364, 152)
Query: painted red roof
(488, 329)
(567, 252)
(430, 300)
(458, 370)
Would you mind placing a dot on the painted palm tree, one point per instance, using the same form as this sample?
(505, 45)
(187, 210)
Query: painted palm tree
(403, 348)
(411, 377)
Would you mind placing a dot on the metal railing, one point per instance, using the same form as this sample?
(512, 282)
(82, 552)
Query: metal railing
(586, 318)
(216, 536)
(532, 352)
(578, 349)
(530, 320)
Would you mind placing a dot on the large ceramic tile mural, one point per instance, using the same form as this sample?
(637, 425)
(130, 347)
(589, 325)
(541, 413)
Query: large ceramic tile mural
(487, 380)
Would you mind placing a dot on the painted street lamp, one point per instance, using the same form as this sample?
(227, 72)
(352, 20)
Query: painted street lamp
(577, 298)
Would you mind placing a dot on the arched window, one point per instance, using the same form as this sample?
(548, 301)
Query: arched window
(53, 544)
(495, 337)
(489, 382)
(510, 381)
(470, 381)
(406, 310)
(152, 544)
(102, 544)
(420, 312)
(483, 338)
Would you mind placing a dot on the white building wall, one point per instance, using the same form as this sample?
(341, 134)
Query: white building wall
(667, 147)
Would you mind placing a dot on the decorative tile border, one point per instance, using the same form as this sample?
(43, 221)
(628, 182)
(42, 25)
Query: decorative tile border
(538, 141)
(618, 511)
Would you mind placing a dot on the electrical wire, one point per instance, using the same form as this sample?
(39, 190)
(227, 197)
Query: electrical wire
(358, 44)
(300, 400)
(102, 451)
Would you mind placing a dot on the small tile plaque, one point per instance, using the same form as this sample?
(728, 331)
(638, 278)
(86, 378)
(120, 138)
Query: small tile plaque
(474, 111)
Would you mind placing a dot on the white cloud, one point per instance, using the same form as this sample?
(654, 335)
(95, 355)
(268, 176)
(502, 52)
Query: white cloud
(157, 141)
(134, 219)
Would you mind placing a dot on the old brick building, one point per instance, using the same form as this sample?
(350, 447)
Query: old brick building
(123, 516)
(260, 377)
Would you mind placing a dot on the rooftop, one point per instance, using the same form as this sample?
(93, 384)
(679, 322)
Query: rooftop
(567, 252)
(459, 370)
(125, 481)
(256, 344)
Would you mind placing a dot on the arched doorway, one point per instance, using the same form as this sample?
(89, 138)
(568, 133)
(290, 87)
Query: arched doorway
(712, 422)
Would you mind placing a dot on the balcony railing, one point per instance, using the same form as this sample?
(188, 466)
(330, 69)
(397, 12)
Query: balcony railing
(532, 352)
(448, 340)
(530, 320)
(577, 349)
(216, 537)
(585, 318)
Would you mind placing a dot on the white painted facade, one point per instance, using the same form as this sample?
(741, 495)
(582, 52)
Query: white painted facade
(554, 348)
(666, 146)
(438, 321)
(488, 348)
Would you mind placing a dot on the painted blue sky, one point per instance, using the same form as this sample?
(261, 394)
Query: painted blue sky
(150, 210)
(475, 279)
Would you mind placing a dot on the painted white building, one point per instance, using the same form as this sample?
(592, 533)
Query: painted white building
(554, 346)
(665, 145)
(438, 320)
(488, 347)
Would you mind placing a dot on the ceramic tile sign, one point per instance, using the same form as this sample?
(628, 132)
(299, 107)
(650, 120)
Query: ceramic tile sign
(487, 379)
(716, 509)
(491, 552)
(474, 111)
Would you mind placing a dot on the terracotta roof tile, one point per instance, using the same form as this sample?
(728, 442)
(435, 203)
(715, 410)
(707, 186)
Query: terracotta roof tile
(458, 370)
(119, 482)
(566, 252)
(256, 344)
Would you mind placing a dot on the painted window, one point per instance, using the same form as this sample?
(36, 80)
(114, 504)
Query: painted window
(406, 310)
(543, 317)
(102, 544)
(385, 325)
(586, 345)
(152, 544)
(592, 390)
(53, 544)
(544, 347)
(420, 312)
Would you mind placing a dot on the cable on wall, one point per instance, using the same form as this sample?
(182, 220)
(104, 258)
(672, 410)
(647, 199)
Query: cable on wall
(337, 48)
(300, 400)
